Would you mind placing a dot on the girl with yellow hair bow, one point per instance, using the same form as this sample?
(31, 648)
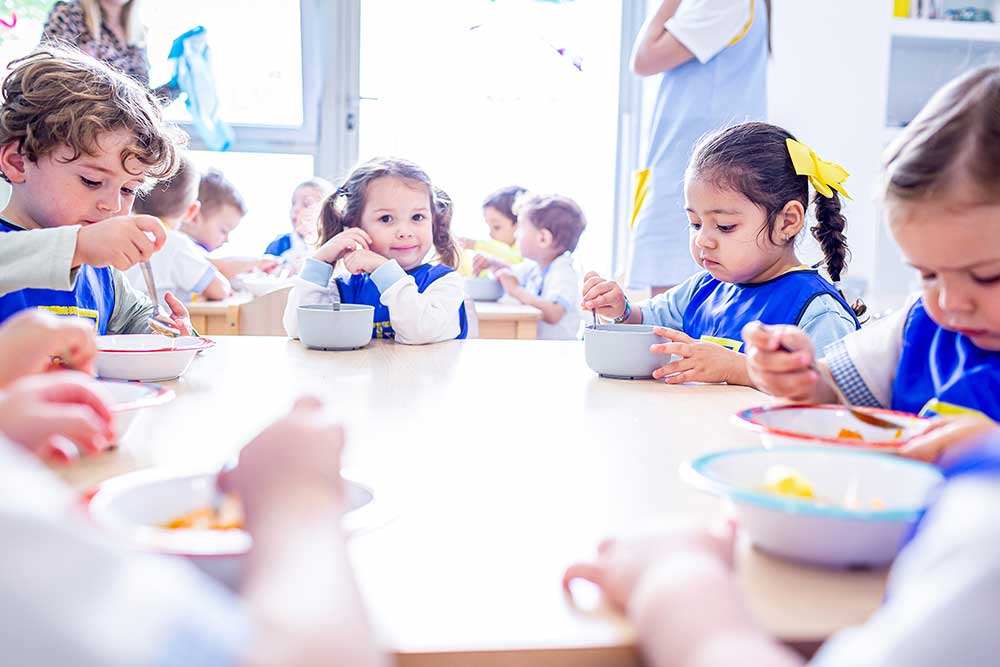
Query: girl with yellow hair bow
(746, 194)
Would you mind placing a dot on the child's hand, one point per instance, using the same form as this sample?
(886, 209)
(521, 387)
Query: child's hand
(179, 314)
(508, 281)
(56, 415)
(363, 261)
(621, 564)
(702, 361)
(604, 296)
(483, 262)
(342, 243)
(947, 433)
(468, 244)
(299, 453)
(268, 264)
(121, 242)
(30, 339)
(780, 373)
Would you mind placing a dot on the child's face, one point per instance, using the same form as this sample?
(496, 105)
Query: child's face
(534, 242)
(501, 227)
(726, 233)
(397, 216)
(55, 193)
(305, 209)
(957, 252)
(212, 231)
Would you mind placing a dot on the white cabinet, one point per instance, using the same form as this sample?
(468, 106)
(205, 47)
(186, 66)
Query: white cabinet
(844, 78)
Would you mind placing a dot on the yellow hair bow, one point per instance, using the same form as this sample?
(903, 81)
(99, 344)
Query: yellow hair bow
(824, 176)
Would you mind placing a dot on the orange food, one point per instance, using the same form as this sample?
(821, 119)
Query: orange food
(229, 517)
(849, 434)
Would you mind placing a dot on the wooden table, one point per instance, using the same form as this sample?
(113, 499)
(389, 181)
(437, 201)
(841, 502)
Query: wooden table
(504, 461)
(215, 318)
(499, 319)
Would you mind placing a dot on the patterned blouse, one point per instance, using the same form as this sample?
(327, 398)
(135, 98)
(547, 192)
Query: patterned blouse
(66, 22)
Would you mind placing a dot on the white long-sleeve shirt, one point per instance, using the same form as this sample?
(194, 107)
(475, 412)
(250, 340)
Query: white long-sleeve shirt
(19, 259)
(417, 317)
(68, 596)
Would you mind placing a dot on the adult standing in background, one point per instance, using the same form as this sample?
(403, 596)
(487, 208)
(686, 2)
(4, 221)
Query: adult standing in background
(712, 59)
(109, 30)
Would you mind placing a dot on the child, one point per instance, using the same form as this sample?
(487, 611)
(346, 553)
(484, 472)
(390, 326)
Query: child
(746, 191)
(307, 197)
(940, 355)
(77, 140)
(498, 212)
(56, 610)
(382, 222)
(222, 209)
(180, 266)
(549, 227)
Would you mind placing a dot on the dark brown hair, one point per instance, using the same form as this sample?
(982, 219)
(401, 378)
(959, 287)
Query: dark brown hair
(343, 208)
(216, 191)
(559, 215)
(503, 201)
(753, 159)
(170, 198)
(59, 96)
(954, 140)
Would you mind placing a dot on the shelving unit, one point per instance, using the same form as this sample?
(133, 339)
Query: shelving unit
(921, 29)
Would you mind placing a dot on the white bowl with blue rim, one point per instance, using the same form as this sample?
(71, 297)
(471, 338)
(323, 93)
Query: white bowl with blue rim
(793, 424)
(483, 289)
(621, 351)
(338, 326)
(127, 399)
(866, 504)
(133, 508)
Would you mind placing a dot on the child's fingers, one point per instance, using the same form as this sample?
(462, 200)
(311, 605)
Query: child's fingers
(81, 426)
(673, 334)
(679, 366)
(757, 334)
(589, 283)
(680, 349)
(690, 375)
(593, 295)
(59, 450)
(76, 392)
(794, 386)
(592, 275)
(778, 362)
(608, 299)
(586, 571)
(151, 224)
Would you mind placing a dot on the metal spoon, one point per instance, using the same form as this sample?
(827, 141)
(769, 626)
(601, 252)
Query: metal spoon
(160, 322)
(842, 398)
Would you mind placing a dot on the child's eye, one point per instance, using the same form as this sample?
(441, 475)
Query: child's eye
(987, 280)
(385, 218)
(927, 277)
(695, 225)
(419, 217)
(89, 183)
(725, 229)
(128, 192)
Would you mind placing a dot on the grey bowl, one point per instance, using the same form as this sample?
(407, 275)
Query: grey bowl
(345, 326)
(622, 350)
(483, 289)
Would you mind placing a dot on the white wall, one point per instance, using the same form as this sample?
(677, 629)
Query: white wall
(827, 86)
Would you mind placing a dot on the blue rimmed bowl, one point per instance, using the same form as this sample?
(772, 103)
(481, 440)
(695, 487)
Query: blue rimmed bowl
(866, 502)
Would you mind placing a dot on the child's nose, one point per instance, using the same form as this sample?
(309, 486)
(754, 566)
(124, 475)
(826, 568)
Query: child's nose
(703, 239)
(953, 299)
(110, 203)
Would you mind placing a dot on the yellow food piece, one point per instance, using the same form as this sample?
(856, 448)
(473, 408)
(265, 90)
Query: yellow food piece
(230, 517)
(849, 434)
(786, 481)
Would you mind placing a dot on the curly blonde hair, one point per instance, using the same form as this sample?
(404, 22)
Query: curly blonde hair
(59, 96)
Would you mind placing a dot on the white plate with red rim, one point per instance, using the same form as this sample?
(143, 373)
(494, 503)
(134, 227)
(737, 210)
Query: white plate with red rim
(127, 399)
(147, 357)
(133, 508)
(796, 424)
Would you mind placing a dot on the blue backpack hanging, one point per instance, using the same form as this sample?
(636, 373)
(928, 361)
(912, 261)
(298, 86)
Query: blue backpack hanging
(193, 76)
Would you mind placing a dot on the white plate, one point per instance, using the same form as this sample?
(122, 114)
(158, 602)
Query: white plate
(127, 399)
(819, 425)
(133, 506)
(824, 533)
(146, 357)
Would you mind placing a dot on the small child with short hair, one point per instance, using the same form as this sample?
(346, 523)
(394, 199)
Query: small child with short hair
(222, 210)
(292, 247)
(549, 228)
(77, 141)
(498, 213)
(180, 266)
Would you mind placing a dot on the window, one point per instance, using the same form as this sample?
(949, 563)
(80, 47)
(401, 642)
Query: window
(481, 97)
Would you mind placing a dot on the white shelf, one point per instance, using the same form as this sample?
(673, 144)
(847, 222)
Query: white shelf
(947, 30)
